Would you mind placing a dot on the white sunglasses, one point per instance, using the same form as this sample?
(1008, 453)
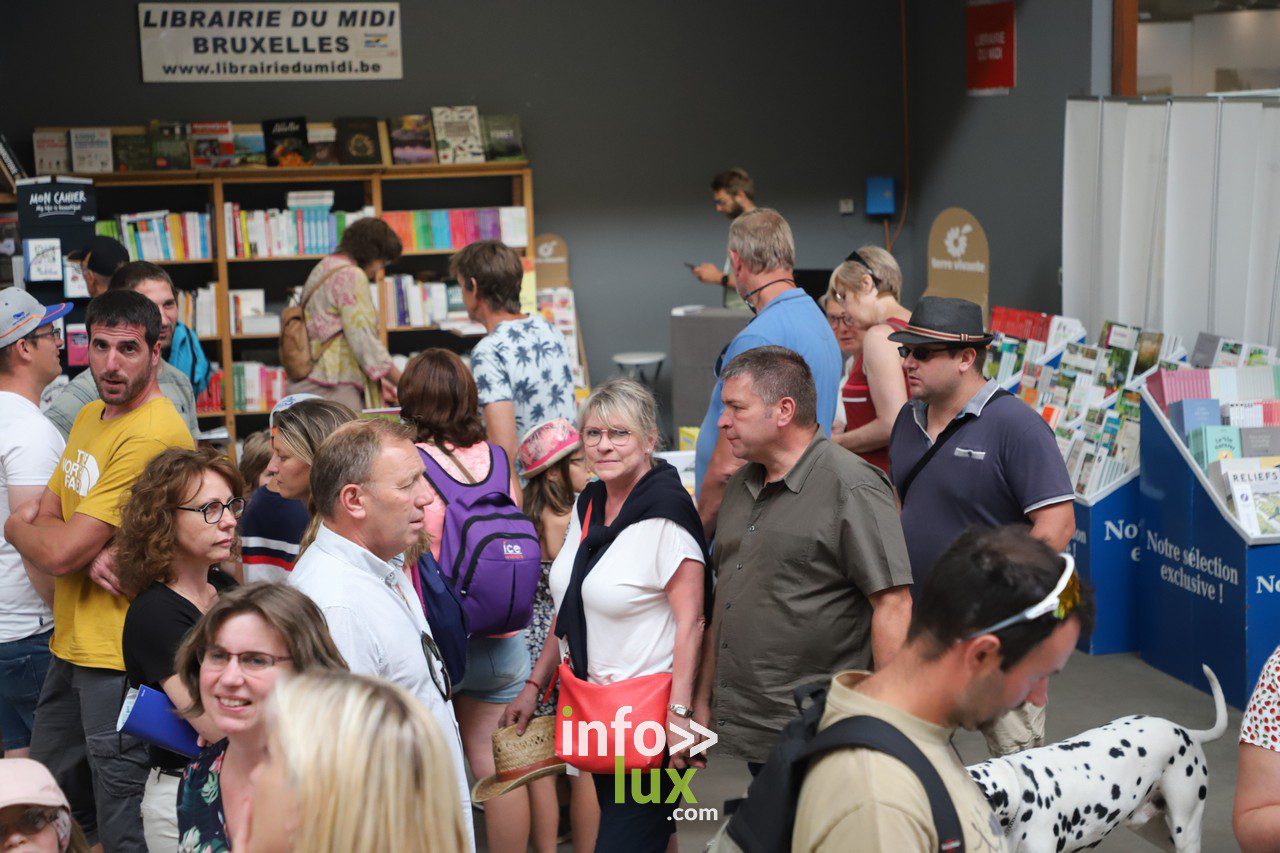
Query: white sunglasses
(1060, 601)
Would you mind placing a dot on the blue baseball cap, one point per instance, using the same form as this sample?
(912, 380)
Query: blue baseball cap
(21, 314)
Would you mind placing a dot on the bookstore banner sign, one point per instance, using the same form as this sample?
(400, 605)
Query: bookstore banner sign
(248, 42)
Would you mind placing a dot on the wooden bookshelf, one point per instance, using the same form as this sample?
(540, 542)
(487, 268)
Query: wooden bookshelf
(518, 191)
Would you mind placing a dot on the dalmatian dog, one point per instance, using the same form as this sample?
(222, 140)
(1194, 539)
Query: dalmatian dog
(1071, 795)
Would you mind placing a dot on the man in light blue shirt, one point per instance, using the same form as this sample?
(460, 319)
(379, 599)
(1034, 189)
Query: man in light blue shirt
(762, 255)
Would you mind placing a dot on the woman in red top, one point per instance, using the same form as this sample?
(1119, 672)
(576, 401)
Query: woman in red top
(867, 286)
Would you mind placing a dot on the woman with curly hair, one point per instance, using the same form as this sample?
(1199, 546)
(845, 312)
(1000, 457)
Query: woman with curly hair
(178, 526)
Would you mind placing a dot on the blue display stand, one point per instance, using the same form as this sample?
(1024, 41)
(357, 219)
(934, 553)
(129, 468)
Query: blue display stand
(1106, 549)
(1207, 591)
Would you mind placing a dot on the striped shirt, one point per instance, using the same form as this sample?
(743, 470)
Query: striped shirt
(270, 531)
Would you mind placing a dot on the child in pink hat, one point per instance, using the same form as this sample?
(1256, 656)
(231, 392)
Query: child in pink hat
(555, 470)
(33, 809)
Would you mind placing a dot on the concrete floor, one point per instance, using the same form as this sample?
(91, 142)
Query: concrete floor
(1090, 692)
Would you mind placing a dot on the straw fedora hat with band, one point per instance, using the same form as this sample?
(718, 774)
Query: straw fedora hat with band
(519, 760)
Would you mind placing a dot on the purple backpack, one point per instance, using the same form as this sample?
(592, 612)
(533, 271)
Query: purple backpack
(489, 549)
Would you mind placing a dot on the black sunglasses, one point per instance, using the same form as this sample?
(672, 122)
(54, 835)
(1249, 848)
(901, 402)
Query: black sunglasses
(854, 256)
(924, 353)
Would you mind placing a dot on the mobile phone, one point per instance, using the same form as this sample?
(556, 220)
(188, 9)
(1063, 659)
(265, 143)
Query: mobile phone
(689, 265)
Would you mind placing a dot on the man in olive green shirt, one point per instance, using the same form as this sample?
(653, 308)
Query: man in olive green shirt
(812, 571)
(992, 622)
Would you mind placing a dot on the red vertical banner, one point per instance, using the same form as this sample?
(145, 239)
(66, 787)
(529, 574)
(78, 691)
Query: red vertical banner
(990, 55)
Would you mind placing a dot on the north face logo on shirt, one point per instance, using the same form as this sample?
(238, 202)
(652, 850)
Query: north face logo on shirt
(81, 474)
(512, 551)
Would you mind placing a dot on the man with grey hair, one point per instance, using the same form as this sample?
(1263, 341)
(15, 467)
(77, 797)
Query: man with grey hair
(367, 485)
(812, 573)
(762, 255)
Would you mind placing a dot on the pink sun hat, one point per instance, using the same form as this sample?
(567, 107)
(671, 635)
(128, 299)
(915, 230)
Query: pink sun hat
(545, 445)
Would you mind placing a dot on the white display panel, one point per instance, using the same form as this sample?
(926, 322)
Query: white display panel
(1080, 201)
(1240, 125)
(1142, 212)
(1188, 219)
(1110, 192)
(1262, 321)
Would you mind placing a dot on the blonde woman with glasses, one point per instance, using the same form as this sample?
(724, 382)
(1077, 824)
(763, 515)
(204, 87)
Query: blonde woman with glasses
(382, 761)
(228, 664)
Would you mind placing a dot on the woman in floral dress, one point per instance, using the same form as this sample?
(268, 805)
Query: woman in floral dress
(228, 664)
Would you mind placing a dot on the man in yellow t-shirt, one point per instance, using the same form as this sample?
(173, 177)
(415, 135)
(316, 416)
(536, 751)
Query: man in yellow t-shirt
(102, 773)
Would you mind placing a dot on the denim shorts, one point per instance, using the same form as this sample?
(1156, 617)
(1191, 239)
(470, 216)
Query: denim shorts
(496, 669)
(23, 666)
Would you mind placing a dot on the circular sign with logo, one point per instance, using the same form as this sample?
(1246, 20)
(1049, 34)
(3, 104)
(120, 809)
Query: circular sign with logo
(959, 261)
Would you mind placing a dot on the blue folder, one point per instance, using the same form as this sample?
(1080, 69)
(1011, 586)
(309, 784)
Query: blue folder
(149, 715)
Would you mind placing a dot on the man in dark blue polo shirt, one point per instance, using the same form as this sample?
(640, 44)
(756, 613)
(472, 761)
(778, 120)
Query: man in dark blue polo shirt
(762, 254)
(996, 463)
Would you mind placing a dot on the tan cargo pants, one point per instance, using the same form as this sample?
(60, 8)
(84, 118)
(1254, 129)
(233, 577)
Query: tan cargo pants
(1022, 728)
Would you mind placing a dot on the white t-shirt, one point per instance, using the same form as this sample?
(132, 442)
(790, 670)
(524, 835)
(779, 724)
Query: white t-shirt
(30, 447)
(631, 629)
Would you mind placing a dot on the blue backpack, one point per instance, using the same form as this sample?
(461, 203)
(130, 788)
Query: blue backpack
(489, 549)
(445, 616)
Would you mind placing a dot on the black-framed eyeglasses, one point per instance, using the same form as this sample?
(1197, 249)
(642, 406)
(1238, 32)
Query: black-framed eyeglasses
(835, 321)
(217, 658)
(29, 821)
(923, 353)
(54, 332)
(436, 666)
(212, 511)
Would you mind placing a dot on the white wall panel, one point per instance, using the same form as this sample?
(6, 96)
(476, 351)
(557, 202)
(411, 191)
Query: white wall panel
(1262, 319)
(1189, 217)
(1240, 126)
(1141, 209)
(1080, 201)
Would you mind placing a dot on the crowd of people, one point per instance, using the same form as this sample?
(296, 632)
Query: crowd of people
(331, 620)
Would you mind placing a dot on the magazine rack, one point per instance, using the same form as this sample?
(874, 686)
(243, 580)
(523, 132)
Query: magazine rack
(1106, 549)
(1207, 591)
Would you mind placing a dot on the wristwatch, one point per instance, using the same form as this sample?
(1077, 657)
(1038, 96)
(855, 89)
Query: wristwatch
(724, 280)
(680, 710)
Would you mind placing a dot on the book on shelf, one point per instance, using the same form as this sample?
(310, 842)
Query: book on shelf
(161, 235)
(1266, 506)
(198, 310)
(242, 303)
(1228, 353)
(77, 344)
(131, 152)
(90, 149)
(210, 401)
(1187, 416)
(421, 230)
(458, 137)
(309, 198)
(1205, 349)
(250, 147)
(52, 154)
(170, 144)
(10, 167)
(42, 257)
(73, 283)
(213, 145)
(1150, 346)
(417, 303)
(503, 139)
(1118, 335)
(285, 233)
(323, 139)
(1211, 443)
(358, 141)
(258, 386)
(286, 142)
(1020, 323)
(412, 140)
(1258, 354)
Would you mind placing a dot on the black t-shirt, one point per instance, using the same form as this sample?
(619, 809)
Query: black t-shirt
(156, 624)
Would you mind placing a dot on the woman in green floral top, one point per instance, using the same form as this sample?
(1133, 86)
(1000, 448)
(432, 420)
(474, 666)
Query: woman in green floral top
(342, 323)
(229, 663)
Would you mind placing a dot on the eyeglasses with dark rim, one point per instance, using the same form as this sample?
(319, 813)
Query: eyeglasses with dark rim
(436, 666)
(213, 510)
(216, 658)
(1061, 601)
(29, 821)
(923, 353)
(837, 320)
(54, 333)
(591, 437)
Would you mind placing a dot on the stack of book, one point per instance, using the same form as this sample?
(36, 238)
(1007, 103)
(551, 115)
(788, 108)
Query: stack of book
(448, 230)
(198, 310)
(258, 386)
(1229, 419)
(276, 233)
(158, 235)
(248, 313)
(210, 399)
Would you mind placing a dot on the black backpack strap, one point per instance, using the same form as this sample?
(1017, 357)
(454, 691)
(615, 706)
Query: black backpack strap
(875, 733)
(952, 428)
